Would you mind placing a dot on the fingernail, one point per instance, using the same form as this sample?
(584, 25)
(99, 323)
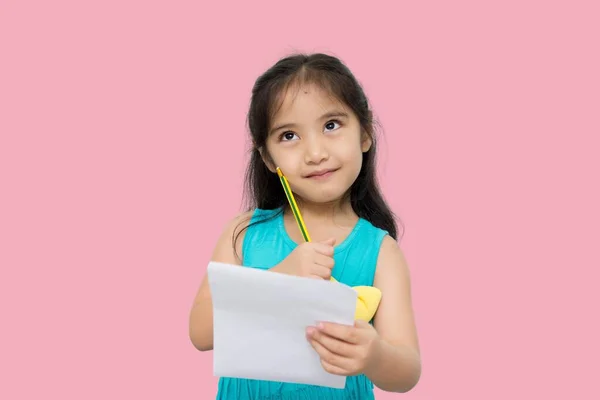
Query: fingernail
(321, 326)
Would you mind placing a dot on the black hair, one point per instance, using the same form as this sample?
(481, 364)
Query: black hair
(262, 187)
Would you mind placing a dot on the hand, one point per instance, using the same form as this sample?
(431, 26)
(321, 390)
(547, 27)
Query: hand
(345, 350)
(309, 259)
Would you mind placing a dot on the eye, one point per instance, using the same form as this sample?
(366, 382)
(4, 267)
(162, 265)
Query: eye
(331, 125)
(287, 136)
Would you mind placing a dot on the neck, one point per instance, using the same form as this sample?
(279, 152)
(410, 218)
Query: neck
(325, 211)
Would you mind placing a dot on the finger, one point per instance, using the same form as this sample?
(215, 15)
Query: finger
(332, 363)
(324, 249)
(360, 324)
(332, 369)
(325, 261)
(329, 242)
(346, 333)
(336, 346)
(321, 271)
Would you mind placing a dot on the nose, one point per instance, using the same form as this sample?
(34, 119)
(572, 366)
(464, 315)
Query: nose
(316, 150)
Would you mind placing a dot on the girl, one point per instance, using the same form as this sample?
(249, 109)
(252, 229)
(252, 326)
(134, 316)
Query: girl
(309, 117)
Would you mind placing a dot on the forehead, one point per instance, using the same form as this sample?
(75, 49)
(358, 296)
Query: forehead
(304, 101)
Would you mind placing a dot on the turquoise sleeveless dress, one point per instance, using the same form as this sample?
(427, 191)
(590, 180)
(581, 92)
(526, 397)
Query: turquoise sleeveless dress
(264, 246)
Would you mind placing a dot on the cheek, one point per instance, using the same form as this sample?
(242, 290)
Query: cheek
(350, 153)
(285, 158)
(353, 161)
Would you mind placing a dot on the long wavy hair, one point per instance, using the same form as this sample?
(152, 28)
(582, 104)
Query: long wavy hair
(262, 187)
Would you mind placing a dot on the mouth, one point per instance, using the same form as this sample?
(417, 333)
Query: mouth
(323, 173)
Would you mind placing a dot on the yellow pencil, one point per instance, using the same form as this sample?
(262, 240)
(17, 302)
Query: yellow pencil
(293, 205)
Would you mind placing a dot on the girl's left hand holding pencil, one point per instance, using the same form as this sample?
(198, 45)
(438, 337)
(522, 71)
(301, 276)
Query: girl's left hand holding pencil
(345, 350)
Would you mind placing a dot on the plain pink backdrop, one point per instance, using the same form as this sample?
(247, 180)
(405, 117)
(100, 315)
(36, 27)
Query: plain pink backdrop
(118, 120)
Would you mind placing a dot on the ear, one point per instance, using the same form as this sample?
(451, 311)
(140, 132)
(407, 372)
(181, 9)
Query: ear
(366, 142)
(367, 134)
(267, 159)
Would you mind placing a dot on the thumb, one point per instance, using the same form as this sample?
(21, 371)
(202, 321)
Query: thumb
(330, 241)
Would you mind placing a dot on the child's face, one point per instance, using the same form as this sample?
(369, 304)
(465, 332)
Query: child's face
(313, 133)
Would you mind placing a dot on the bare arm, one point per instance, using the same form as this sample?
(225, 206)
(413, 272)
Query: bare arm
(201, 318)
(398, 364)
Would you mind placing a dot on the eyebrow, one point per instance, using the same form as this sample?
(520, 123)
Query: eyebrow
(327, 115)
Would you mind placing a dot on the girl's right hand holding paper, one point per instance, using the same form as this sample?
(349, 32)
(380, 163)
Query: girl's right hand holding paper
(310, 260)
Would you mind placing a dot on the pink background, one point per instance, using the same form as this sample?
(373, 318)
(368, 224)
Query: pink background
(119, 118)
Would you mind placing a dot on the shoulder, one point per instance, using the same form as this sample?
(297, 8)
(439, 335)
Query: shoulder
(390, 249)
(391, 262)
(229, 244)
(239, 222)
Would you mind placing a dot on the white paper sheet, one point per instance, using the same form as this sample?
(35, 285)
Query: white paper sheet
(260, 319)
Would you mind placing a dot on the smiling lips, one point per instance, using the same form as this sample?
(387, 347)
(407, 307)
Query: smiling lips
(321, 174)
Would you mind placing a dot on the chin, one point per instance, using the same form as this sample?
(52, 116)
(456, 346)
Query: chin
(322, 193)
(323, 197)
